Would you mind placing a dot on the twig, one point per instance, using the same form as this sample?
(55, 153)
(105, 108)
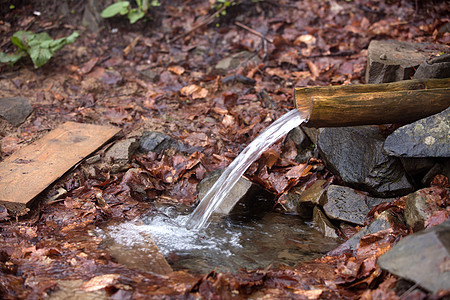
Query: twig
(208, 20)
(253, 31)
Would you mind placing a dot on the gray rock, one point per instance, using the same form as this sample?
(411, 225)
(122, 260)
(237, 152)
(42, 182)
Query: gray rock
(119, 154)
(382, 222)
(355, 154)
(301, 202)
(428, 137)
(303, 144)
(91, 16)
(158, 142)
(236, 60)
(438, 67)
(416, 209)
(15, 110)
(311, 197)
(323, 224)
(414, 166)
(346, 204)
(423, 258)
(389, 61)
(244, 199)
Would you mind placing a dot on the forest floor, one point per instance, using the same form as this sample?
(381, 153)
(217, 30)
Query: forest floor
(160, 75)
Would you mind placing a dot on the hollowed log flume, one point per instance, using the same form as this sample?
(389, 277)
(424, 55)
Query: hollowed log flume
(370, 104)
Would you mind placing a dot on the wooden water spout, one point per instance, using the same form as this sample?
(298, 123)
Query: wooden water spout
(369, 104)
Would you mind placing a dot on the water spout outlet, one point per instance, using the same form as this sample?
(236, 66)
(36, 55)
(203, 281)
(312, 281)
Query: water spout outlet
(370, 104)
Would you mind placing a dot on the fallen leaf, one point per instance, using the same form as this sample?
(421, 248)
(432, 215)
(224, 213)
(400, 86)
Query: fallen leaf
(179, 70)
(195, 91)
(99, 282)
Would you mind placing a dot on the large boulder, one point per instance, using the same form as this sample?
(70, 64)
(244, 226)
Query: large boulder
(423, 258)
(428, 137)
(355, 154)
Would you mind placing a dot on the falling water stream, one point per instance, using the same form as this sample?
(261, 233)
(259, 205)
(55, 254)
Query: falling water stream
(193, 241)
(236, 169)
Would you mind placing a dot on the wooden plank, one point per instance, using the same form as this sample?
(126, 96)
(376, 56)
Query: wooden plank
(30, 170)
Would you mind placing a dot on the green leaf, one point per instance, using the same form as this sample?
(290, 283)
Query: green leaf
(59, 43)
(135, 14)
(40, 55)
(22, 38)
(120, 7)
(11, 58)
(155, 3)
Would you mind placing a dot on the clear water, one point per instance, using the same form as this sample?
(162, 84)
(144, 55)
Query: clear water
(227, 245)
(236, 169)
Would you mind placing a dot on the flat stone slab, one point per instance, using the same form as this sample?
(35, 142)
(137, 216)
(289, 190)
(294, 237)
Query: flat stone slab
(30, 170)
(346, 204)
(423, 258)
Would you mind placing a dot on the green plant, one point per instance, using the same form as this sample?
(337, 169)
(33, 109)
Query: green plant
(124, 8)
(39, 46)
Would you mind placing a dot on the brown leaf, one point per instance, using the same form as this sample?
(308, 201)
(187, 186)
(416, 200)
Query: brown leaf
(314, 69)
(440, 181)
(87, 67)
(437, 218)
(195, 91)
(99, 282)
(179, 70)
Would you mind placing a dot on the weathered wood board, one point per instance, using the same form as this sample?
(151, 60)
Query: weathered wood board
(30, 170)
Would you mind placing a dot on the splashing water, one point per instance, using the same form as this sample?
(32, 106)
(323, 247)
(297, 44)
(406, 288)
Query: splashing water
(236, 169)
(227, 246)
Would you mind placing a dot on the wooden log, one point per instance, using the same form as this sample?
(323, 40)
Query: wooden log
(28, 171)
(370, 104)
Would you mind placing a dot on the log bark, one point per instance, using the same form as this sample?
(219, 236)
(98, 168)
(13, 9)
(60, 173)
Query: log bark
(370, 104)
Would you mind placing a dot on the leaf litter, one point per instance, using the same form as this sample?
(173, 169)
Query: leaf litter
(143, 82)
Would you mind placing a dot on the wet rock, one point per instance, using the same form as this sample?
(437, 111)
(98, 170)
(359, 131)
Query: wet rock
(302, 143)
(419, 207)
(423, 258)
(389, 60)
(428, 137)
(244, 199)
(437, 67)
(324, 225)
(15, 110)
(235, 60)
(355, 154)
(301, 202)
(311, 197)
(120, 153)
(383, 221)
(346, 204)
(158, 142)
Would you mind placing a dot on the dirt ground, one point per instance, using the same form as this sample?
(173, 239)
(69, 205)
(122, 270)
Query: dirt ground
(161, 74)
